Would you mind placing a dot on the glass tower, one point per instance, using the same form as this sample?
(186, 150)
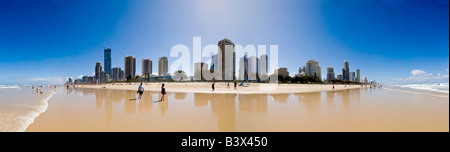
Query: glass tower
(107, 62)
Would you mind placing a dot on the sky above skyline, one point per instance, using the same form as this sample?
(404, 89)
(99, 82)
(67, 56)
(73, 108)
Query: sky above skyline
(395, 41)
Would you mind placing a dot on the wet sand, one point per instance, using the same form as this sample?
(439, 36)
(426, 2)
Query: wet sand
(354, 110)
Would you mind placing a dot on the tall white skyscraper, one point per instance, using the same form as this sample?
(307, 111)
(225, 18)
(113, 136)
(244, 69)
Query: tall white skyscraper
(243, 67)
(263, 65)
(357, 76)
(252, 68)
(351, 76)
(313, 69)
(226, 60)
(330, 73)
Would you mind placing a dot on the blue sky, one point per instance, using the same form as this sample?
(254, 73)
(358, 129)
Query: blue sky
(49, 40)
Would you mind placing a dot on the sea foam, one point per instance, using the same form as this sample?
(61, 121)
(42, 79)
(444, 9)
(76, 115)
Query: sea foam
(434, 87)
(18, 109)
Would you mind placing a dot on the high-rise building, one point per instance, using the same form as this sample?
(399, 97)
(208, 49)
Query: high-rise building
(346, 71)
(357, 76)
(90, 79)
(226, 60)
(146, 67)
(122, 75)
(116, 74)
(351, 76)
(263, 66)
(302, 71)
(330, 73)
(107, 57)
(252, 68)
(340, 77)
(313, 69)
(213, 62)
(98, 71)
(104, 77)
(70, 81)
(282, 71)
(78, 81)
(365, 80)
(163, 66)
(198, 72)
(84, 79)
(243, 67)
(130, 67)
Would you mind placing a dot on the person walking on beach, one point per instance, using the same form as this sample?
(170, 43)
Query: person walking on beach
(235, 85)
(163, 92)
(333, 87)
(213, 87)
(228, 84)
(38, 90)
(140, 91)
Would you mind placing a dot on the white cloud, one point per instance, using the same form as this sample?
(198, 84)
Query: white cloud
(49, 81)
(420, 76)
(418, 73)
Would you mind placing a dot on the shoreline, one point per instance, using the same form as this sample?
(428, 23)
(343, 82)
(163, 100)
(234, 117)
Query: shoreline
(221, 88)
(114, 110)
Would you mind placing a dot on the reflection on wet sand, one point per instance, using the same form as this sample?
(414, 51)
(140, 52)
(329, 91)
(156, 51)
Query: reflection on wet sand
(223, 106)
(330, 96)
(163, 106)
(201, 99)
(130, 102)
(281, 98)
(310, 100)
(253, 103)
(180, 96)
(316, 111)
(146, 103)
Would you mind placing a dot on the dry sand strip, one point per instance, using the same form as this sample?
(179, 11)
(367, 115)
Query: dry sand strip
(221, 88)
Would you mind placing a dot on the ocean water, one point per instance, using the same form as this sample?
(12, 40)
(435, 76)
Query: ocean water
(8, 87)
(19, 106)
(433, 87)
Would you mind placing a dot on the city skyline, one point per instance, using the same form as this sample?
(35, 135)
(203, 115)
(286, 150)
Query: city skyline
(304, 30)
(249, 67)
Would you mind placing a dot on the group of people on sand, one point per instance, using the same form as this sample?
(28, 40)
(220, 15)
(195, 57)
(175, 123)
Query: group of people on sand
(39, 90)
(163, 89)
(141, 91)
(370, 86)
(228, 86)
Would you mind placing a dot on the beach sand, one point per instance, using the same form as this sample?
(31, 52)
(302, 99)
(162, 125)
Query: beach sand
(221, 87)
(351, 110)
